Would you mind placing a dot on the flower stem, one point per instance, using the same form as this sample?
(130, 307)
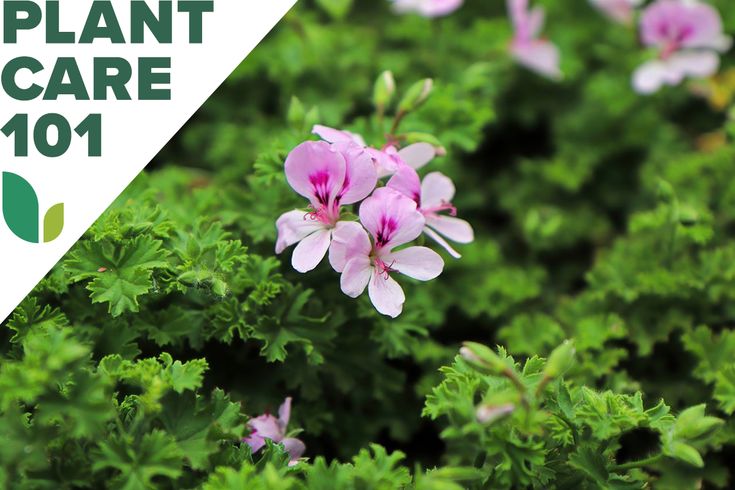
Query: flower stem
(640, 463)
(397, 122)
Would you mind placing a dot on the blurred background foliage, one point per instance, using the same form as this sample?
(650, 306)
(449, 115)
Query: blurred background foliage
(601, 216)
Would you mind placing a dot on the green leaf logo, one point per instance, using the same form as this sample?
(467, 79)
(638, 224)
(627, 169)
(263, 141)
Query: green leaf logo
(22, 215)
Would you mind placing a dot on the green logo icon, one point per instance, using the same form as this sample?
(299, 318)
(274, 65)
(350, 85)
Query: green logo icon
(22, 215)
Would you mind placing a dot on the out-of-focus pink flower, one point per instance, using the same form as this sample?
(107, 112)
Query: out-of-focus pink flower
(433, 196)
(267, 426)
(427, 8)
(392, 220)
(388, 159)
(618, 10)
(329, 178)
(688, 36)
(536, 54)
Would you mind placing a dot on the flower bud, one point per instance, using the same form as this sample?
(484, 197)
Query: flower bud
(560, 360)
(692, 423)
(487, 414)
(416, 95)
(482, 357)
(296, 112)
(385, 89)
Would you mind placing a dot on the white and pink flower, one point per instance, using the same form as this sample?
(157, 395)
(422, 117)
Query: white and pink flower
(433, 196)
(427, 8)
(267, 426)
(329, 178)
(388, 159)
(527, 47)
(689, 38)
(392, 220)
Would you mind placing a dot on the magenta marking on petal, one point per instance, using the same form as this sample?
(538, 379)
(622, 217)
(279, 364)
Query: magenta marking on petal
(320, 183)
(387, 228)
(444, 206)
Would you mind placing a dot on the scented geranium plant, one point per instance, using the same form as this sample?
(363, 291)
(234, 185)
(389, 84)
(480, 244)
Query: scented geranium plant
(172, 348)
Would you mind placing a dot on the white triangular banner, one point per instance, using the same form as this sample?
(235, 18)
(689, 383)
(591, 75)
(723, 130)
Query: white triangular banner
(133, 131)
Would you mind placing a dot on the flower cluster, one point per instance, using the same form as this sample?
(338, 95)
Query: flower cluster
(343, 170)
(688, 38)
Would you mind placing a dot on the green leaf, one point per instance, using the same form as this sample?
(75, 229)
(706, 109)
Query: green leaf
(725, 388)
(683, 452)
(713, 352)
(199, 425)
(138, 463)
(338, 9)
(29, 316)
(120, 273)
(184, 376)
(592, 464)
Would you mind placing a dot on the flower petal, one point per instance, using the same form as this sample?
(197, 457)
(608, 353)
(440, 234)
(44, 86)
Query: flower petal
(457, 230)
(651, 76)
(407, 182)
(539, 56)
(386, 161)
(293, 227)
(517, 9)
(349, 240)
(421, 263)
(255, 442)
(316, 172)
(284, 413)
(417, 155)
(332, 135)
(442, 242)
(697, 64)
(386, 295)
(265, 427)
(427, 8)
(620, 11)
(535, 21)
(361, 176)
(311, 250)
(436, 189)
(355, 276)
(391, 218)
(294, 447)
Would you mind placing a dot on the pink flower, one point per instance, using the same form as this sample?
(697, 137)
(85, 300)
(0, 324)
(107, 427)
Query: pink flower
(388, 159)
(267, 426)
(392, 220)
(433, 196)
(688, 36)
(427, 8)
(618, 10)
(536, 54)
(329, 179)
